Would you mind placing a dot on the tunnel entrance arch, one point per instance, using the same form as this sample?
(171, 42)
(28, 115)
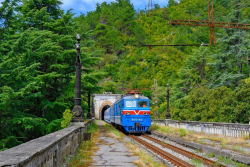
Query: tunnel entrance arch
(102, 102)
(105, 105)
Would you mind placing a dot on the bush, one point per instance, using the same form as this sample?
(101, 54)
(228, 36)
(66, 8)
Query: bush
(67, 117)
(182, 132)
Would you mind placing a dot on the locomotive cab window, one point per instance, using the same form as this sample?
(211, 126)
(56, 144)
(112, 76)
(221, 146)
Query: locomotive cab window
(130, 103)
(142, 104)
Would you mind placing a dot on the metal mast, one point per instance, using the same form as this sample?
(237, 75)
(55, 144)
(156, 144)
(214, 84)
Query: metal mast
(78, 117)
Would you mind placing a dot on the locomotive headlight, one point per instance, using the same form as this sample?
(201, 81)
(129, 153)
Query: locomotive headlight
(145, 113)
(137, 96)
(128, 113)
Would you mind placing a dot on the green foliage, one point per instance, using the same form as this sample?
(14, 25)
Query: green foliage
(182, 132)
(111, 129)
(196, 162)
(37, 57)
(37, 68)
(93, 128)
(154, 126)
(210, 155)
(204, 81)
(67, 117)
(9, 142)
(215, 105)
(55, 125)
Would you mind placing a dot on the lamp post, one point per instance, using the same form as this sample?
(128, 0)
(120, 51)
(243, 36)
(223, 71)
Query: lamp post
(93, 107)
(168, 115)
(78, 117)
(89, 116)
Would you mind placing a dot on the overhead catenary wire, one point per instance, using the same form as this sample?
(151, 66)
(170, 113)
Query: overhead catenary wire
(216, 16)
(205, 17)
(183, 27)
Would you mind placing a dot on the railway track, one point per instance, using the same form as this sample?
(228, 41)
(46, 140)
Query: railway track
(174, 160)
(171, 158)
(183, 152)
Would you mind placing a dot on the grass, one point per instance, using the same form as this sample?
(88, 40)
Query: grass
(196, 162)
(238, 148)
(154, 127)
(228, 161)
(111, 129)
(170, 130)
(86, 149)
(209, 155)
(182, 132)
(145, 160)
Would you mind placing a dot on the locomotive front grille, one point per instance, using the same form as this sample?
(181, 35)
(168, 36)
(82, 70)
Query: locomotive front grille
(135, 129)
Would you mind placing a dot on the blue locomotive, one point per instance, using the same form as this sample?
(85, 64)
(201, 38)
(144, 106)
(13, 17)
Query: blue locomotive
(131, 113)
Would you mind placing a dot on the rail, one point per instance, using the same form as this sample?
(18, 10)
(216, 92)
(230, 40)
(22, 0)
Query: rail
(176, 161)
(188, 154)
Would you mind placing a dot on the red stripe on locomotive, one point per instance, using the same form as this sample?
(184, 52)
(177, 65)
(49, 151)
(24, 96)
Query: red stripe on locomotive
(136, 112)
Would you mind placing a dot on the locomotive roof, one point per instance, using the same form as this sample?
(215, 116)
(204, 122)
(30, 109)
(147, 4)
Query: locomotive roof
(133, 97)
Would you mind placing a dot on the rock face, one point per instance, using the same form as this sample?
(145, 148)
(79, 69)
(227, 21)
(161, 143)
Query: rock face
(50, 150)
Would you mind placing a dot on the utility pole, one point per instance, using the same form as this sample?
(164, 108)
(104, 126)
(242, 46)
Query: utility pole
(78, 117)
(155, 97)
(168, 116)
(150, 8)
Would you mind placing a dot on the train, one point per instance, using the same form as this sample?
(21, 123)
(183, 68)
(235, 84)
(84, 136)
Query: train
(131, 113)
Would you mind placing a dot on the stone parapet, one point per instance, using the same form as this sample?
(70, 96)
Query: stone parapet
(227, 129)
(47, 151)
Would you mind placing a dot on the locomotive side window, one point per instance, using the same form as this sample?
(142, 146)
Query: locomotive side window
(130, 103)
(142, 104)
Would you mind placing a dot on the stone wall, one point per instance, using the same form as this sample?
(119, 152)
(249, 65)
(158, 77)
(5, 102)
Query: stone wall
(47, 151)
(227, 129)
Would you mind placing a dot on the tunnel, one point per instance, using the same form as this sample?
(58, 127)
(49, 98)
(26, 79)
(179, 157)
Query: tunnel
(103, 110)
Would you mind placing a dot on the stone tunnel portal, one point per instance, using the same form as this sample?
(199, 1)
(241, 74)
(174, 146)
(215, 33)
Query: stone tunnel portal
(102, 102)
(103, 110)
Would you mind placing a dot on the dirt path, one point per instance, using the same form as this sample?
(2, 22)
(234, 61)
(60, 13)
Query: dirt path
(112, 152)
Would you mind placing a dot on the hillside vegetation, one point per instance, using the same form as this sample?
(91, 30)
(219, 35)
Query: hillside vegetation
(37, 56)
(207, 83)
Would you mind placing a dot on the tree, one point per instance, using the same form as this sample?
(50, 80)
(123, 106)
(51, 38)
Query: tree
(230, 60)
(172, 3)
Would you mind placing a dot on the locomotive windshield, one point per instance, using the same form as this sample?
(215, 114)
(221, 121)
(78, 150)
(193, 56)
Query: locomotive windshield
(142, 104)
(130, 103)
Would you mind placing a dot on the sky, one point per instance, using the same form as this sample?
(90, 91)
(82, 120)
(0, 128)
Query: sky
(84, 6)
